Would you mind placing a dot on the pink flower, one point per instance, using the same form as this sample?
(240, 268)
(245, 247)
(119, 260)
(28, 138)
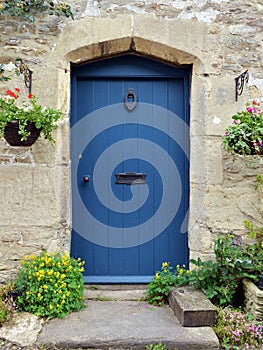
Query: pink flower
(227, 133)
(250, 109)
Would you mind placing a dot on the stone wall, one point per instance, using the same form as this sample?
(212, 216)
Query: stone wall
(221, 39)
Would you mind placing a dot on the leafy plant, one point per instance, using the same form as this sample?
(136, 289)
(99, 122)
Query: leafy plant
(254, 232)
(7, 304)
(219, 279)
(7, 70)
(159, 346)
(45, 119)
(237, 330)
(159, 288)
(52, 285)
(245, 134)
(28, 8)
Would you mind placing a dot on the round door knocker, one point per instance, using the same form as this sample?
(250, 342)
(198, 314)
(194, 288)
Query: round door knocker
(130, 100)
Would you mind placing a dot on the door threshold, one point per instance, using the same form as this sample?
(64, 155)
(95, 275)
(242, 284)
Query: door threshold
(117, 279)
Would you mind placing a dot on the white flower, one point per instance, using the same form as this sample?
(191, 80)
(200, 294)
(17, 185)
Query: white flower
(9, 66)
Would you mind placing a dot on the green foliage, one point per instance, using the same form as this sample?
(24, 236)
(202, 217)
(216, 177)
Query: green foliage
(159, 346)
(159, 288)
(7, 304)
(218, 279)
(237, 330)
(28, 8)
(244, 135)
(52, 285)
(254, 232)
(46, 119)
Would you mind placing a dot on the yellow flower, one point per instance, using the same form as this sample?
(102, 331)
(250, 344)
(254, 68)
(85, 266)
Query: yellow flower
(164, 264)
(157, 275)
(181, 271)
(63, 301)
(187, 272)
(50, 307)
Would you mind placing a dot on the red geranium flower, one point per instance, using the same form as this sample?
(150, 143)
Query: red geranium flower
(12, 94)
(30, 96)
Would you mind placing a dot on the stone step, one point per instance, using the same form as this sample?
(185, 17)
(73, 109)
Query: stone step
(191, 307)
(115, 292)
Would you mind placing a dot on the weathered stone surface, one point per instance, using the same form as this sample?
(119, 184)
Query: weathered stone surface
(122, 325)
(191, 307)
(253, 299)
(22, 329)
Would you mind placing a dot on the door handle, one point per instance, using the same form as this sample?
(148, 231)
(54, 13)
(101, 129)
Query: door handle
(86, 178)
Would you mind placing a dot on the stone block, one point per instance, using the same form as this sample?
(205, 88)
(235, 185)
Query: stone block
(253, 299)
(191, 307)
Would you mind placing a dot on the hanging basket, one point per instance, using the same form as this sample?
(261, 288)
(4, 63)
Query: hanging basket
(14, 139)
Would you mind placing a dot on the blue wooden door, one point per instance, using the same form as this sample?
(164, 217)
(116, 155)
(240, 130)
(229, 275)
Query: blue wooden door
(130, 167)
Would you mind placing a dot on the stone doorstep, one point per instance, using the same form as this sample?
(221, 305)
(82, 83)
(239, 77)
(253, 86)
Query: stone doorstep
(191, 307)
(115, 292)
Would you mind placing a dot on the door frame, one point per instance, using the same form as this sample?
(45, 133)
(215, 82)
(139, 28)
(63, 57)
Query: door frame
(176, 75)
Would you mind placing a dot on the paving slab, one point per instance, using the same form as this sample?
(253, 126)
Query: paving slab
(124, 324)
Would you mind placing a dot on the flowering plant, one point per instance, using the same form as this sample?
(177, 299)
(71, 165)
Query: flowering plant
(7, 70)
(26, 8)
(51, 285)
(245, 134)
(159, 287)
(7, 304)
(237, 330)
(44, 118)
